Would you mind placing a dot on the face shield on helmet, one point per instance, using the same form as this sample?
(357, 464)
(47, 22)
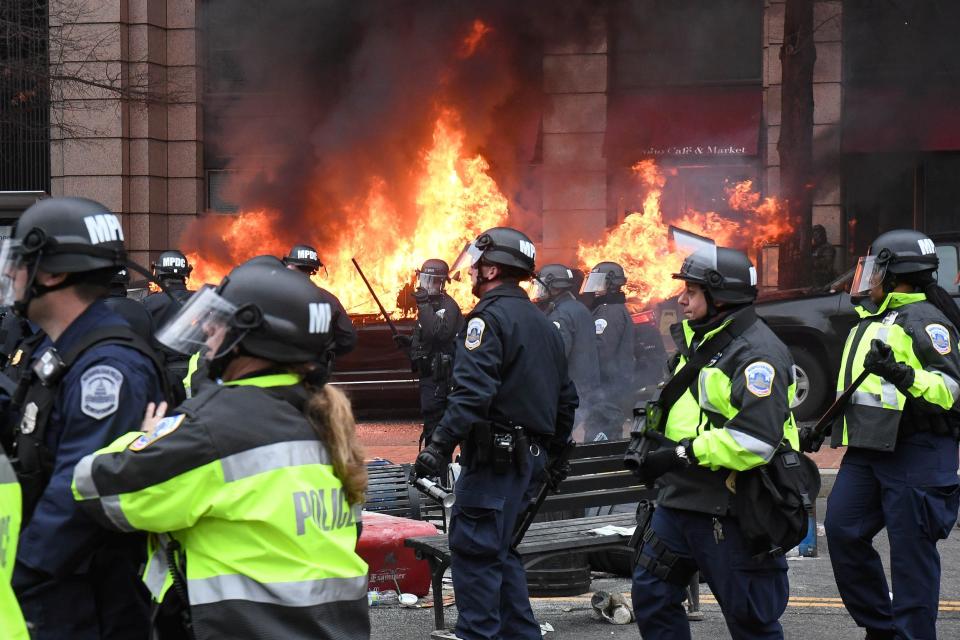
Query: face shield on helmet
(432, 283)
(11, 262)
(689, 244)
(540, 291)
(467, 258)
(205, 316)
(595, 282)
(869, 274)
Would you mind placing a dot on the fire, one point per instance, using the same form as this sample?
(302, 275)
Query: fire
(245, 236)
(478, 32)
(455, 200)
(640, 244)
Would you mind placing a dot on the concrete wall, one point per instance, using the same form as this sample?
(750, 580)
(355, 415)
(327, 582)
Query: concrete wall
(140, 159)
(574, 166)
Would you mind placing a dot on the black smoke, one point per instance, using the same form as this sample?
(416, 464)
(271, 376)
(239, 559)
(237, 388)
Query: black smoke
(308, 101)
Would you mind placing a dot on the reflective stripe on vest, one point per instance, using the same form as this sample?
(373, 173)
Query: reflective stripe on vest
(273, 456)
(305, 593)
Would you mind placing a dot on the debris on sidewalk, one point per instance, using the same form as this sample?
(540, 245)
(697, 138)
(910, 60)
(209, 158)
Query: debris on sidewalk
(611, 607)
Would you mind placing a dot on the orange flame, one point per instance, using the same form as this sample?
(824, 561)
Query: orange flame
(478, 32)
(455, 201)
(639, 243)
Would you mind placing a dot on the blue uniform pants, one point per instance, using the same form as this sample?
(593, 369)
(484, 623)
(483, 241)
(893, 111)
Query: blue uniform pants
(913, 492)
(488, 577)
(432, 405)
(752, 594)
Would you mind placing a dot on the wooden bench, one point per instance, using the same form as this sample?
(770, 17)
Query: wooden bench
(390, 492)
(597, 479)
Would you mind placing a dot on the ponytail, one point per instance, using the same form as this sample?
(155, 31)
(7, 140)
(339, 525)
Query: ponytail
(331, 416)
(938, 297)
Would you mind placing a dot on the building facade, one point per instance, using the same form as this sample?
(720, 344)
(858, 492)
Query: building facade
(697, 90)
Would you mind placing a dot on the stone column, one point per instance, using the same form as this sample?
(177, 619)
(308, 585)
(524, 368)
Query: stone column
(574, 166)
(827, 97)
(142, 159)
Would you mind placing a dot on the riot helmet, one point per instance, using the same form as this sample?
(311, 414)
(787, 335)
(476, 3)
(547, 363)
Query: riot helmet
(119, 282)
(263, 309)
(433, 276)
(900, 252)
(727, 275)
(59, 235)
(500, 246)
(606, 277)
(552, 280)
(172, 264)
(304, 258)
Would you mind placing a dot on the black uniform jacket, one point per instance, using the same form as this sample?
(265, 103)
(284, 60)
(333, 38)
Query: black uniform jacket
(577, 329)
(438, 321)
(509, 368)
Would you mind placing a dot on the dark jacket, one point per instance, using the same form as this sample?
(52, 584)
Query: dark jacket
(509, 368)
(438, 321)
(577, 330)
(103, 395)
(614, 332)
(761, 415)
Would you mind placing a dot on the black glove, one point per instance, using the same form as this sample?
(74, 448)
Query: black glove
(557, 473)
(402, 341)
(420, 295)
(880, 361)
(432, 461)
(665, 459)
(810, 440)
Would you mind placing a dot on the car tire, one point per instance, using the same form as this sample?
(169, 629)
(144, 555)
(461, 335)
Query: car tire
(813, 385)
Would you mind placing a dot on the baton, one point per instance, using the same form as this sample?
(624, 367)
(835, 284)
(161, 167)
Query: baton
(838, 405)
(383, 312)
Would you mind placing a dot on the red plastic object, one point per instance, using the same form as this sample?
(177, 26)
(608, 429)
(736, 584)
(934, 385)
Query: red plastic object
(381, 546)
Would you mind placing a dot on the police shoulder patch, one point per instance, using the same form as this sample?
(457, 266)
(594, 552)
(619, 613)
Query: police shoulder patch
(164, 428)
(474, 333)
(940, 338)
(759, 377)
(100, 391)
(600, 325)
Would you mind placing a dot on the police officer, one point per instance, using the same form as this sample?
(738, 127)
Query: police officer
(512, 401)
(304, 258)
(11, 618)
(823, 256)
(900, 427)
(130, 310)
(614, 335)
(90, 381)
(172, 269)
(432, 345)
(259, 479)
(731, 419)
(554, 294)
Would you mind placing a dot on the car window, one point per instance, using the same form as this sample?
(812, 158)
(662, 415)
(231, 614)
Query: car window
(947, 273)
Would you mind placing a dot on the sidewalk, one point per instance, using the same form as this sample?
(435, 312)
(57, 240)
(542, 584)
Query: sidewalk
(397, 441)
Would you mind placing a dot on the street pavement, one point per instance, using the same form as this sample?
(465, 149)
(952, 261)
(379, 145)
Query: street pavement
(814, 611)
